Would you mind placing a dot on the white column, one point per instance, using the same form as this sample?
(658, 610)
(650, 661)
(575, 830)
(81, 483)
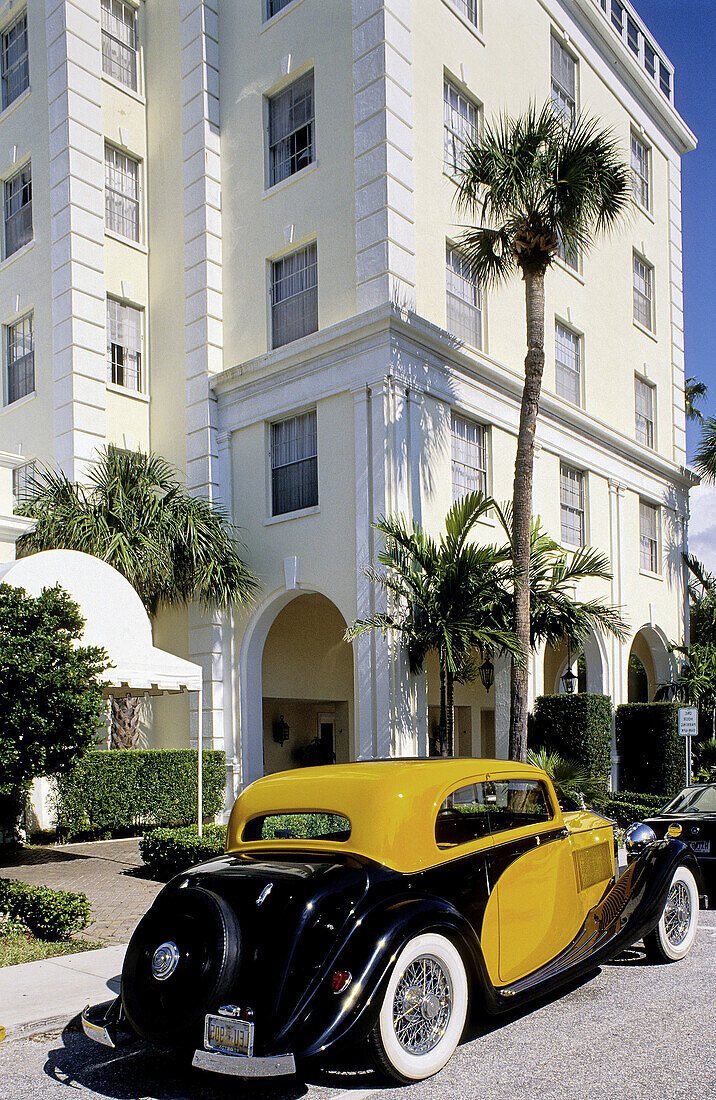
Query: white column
(618, 677)
(79, 312)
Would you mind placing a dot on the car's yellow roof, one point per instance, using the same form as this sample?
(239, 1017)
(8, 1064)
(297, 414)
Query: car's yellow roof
(391, 804)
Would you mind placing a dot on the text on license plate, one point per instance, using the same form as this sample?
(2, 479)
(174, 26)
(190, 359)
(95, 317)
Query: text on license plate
(702, 846)
(230, 1036)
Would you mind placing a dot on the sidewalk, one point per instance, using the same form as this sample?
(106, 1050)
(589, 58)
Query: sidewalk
(49, 993)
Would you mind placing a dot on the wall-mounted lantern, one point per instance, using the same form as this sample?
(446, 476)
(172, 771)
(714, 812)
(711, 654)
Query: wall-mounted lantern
(281, 731)
(487, 673)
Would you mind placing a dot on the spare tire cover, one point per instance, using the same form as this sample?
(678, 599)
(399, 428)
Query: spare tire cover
(198, 968)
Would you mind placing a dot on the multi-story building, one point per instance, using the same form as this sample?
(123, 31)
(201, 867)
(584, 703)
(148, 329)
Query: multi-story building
(230, 236)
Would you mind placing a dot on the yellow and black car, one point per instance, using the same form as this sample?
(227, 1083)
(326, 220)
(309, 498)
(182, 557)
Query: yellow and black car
(384, 901)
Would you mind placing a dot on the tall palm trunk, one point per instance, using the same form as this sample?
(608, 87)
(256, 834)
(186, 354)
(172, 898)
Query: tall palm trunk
(126, 718)
(450, 715)
(443, 711)
(522, 506)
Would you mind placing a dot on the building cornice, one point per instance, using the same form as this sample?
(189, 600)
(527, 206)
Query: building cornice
(11, 461)
(12, 527)
(343, 342)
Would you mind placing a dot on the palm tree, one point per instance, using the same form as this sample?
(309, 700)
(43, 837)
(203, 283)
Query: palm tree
(705, 457)
(133, 513)
(694, 393)
(445, 596)
(533, 183)
(572, 781)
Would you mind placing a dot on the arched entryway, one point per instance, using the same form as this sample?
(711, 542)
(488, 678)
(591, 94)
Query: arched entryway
(474, 713)
(296, 685)
(588, 665)
(650, 664)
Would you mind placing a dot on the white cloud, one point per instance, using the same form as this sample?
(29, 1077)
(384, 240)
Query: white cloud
(702, 525)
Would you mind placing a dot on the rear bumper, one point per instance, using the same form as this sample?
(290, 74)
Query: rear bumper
(240, 1066)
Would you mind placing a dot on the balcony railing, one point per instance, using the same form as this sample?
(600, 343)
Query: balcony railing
(625, 22)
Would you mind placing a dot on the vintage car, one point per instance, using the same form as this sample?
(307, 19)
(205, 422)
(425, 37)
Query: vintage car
(692, 817)
(379, 903)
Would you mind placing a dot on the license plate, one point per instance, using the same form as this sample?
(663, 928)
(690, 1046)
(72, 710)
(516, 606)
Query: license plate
(230, 1036)
(701, 847)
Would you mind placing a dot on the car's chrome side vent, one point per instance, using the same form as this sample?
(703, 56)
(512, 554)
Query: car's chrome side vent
(593, 865)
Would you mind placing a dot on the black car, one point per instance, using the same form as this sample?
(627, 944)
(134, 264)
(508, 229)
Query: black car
(693, 812)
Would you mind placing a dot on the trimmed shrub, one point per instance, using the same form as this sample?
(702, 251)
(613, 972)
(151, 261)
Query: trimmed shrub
(578, 727)
(123, 790)
(49, 914)
(167, 852)
(652, 753)
(634, 807)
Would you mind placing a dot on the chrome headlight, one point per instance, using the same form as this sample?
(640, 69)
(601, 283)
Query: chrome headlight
(638, 837)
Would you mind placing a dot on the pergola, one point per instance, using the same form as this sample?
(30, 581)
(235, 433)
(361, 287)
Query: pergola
(115, 618)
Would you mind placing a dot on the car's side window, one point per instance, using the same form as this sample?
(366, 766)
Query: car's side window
(512, 803)
(463, 816)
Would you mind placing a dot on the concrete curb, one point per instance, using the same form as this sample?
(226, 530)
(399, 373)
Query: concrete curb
(39, 1027)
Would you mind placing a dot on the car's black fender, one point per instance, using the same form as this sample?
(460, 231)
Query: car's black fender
(325, 1020)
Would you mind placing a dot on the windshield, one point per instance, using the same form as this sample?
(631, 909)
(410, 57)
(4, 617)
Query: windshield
(694, 800)
(297, 826)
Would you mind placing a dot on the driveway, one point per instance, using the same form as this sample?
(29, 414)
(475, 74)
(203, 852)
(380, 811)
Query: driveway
(106, 871)
(636, 1031)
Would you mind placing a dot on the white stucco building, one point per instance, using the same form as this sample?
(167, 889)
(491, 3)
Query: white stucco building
(229, 236)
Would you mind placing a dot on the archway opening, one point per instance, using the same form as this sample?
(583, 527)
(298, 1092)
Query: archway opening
(307, 686)
(643, 676)
(474, 713)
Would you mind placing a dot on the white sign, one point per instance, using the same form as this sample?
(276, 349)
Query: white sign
(688, 722)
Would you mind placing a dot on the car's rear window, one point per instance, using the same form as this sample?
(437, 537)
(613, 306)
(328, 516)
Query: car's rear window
(298, 826)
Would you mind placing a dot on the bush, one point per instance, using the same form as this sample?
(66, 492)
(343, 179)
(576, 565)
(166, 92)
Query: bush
(652, 753)
(128, 789)
(578, 727)
(628, 808)
(167, 852)
(49, 914)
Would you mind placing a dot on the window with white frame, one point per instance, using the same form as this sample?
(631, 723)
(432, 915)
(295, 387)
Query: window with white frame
(462, 118)
(23, 483)
(14, 60)
(469, 9)
(119, 42)
(20, 359)
(617, 12)
(665, 79)
(464, 298)
(568, 254)
(294, 464)
(568, 363)
(469, 456)
(632, 36)
(18, 210)
(648, 537)
(640, 172)
(649, 59)
(564, 82)
(643, 293)
(644, 405)
(294, 296)
(291, 121)
(125, 335)
(571, 505)
(121, 193)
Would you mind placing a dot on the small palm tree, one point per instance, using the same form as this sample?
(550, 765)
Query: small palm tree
(533, 182)
(705, 457)
(694, 393)
(133, 513)
(446, 596)
(573, 783)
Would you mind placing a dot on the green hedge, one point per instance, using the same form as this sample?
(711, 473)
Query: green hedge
(168, 851)
(49, 914)
(123, 790)
(652, 753)
(628, 808)
(578, 727)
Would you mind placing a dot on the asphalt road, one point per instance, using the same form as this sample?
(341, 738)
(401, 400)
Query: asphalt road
(635, 1031)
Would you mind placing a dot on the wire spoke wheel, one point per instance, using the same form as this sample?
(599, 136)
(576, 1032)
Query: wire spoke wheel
(675, 933)
(677, 914)
(422, 1005)
(423, 1011)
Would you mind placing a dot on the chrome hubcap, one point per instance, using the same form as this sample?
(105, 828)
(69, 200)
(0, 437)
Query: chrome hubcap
(677, 914)
(422, 1005)
(165, 960)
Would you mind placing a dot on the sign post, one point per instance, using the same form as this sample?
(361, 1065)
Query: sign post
(688, 728)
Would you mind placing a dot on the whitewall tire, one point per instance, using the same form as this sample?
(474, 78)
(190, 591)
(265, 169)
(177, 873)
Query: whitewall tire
(674, 935)
(424, 1009)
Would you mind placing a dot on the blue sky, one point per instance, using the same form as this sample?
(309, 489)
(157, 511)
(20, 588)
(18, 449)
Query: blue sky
(686, 30)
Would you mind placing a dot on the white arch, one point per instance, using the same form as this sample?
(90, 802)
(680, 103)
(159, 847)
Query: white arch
(595, 657)
(251, 675)
(665, 666)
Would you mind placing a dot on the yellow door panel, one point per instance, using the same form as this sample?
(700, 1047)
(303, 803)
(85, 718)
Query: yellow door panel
(539, 912)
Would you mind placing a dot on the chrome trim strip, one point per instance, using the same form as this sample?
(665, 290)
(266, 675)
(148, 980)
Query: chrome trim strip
(95, 1032)
(241, 1066)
